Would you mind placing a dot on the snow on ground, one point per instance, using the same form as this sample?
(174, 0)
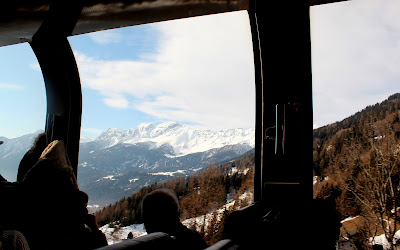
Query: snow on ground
(315, 180)
(235, 170)
(93, 208)
(345, 243)
(244, 200)
(170, 173)
(349, 219)
(381, 240)
(84, 164)
(109, 177)
(119, 233)
(133, 180)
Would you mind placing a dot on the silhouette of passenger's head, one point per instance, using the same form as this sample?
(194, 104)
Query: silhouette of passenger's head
(32, 156)
(327, 220)
(160, 211)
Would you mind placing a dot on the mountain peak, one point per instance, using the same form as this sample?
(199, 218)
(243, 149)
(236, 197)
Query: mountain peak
(165, 127)
(183, 139)
(144, 130)
(145, 126)
(169, 125)
(111, 132)
(85, 139)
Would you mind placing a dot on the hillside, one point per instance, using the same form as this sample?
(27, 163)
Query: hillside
(357, 164)
(356, 135)
(206, 196)
(370, 114)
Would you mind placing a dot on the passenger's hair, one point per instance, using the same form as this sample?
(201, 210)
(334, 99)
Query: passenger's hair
(32, 156)
(162, 202)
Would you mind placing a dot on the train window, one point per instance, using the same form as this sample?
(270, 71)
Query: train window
(23, 105)
(162, 102)
(355, 58)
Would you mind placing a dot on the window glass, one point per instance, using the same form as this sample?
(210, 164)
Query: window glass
(168, 103)
(23, 105)
(355, 59)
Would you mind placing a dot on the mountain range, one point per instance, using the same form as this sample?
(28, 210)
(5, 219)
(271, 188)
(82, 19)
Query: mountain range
(119, 162)
(11, 153)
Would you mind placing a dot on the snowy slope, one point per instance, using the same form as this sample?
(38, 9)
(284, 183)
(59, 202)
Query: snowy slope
(118, 233)
(183, 139)
(11, 153)
(204, 221)
(381, 240)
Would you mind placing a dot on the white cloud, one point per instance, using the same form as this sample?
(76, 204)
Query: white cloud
(202, 72)
(7, 86)
(94, 131)
(35, 66)
(116, 102)
(355, 56)
(106, 37)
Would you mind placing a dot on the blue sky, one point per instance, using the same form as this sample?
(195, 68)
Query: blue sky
(127, 44)
(22, 92)
(199, 71)
(196, 71)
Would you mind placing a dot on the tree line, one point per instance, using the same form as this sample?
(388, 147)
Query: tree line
(198, 195)
(357, 162)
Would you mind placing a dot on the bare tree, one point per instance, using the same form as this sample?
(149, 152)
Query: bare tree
(376, 186)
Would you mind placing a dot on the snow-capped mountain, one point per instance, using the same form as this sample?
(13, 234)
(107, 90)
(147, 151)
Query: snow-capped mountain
(11, 153)
(119, 162)
(183, 139)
